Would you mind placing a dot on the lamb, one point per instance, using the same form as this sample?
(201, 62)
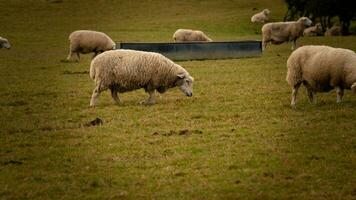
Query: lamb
(313, 31)
(126, 70)
(86, 41)
(333, 31)
(4, 43)
(261, 17)
(320, 69)
(279, 32)
(182, 35)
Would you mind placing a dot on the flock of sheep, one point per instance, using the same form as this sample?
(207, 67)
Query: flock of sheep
(318, 68)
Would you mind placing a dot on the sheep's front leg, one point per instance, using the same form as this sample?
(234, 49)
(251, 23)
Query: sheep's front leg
(151, 99)
(115, 96)
(94, 96)
(294, 94)
(311, 96)
(339, 94)
(294, 45)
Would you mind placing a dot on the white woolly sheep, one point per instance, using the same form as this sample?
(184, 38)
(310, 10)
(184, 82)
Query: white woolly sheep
(333, 31)
(280, 32)
(86, 41)
(182, 35)
(313, 31)
(4, 43)
(126, 70)
(320, 69)
(261, 17)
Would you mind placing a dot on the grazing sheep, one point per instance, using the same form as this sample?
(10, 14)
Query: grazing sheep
(4, 43)
(333, 31)
(320, 69)
(279, 32)
(182, 35)
(85, 41)
(313, 31)
(261, 17)
(127, 70)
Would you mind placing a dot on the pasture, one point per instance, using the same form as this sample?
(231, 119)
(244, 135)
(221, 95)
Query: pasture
(236, 138)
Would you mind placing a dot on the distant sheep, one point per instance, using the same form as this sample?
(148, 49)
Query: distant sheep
(280, 32)
(320, 69)
(4, 43)
(183, 35)
(126, 70)
(314, 30)
(261, 17)
(333, 31)
(85, 41)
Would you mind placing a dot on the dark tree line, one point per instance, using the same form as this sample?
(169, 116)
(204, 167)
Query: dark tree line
(323, 11)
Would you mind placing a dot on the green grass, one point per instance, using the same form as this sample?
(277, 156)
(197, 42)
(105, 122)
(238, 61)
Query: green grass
(236, 138)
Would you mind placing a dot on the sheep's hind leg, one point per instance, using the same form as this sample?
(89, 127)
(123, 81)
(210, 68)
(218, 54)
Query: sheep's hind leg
(339, 94)
(151, 99)
(294, 94)
(115, 96)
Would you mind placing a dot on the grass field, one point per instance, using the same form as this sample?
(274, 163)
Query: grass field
(236, 138)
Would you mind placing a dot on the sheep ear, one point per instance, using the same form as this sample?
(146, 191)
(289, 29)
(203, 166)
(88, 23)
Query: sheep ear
(181, 76)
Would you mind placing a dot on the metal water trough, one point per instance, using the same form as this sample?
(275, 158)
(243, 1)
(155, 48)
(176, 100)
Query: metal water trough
(199, 50)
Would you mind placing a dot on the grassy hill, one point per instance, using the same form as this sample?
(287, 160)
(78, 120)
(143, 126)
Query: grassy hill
(236, 138)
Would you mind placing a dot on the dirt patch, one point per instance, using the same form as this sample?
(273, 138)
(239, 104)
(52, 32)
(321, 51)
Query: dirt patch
(74, 73)
(179, 132)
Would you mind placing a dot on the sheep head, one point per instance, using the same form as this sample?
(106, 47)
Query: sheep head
(185, 84)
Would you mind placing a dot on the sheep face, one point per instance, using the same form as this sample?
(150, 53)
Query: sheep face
(5, 44)
(185, 84)
(306, 21)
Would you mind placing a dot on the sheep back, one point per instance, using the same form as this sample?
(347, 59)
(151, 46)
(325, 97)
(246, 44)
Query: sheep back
(190, 35)
(87, 41)
(127, 70)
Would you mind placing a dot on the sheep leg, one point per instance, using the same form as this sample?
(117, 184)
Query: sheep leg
(339, 94)
(115, 96)
(70, 55)
(294, 45)
(78, 57)
(151, 99)
(294, 94)
(94, 96)
(311, 96)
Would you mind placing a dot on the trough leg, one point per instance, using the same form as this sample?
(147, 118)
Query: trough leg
(94, 96)
(294, 94)
(115, 96)
(339, 94)
(151, 99)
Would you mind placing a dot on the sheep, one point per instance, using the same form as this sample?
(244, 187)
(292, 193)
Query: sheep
(333, 31)
(126, 70)
(4, 43)
(279, 32)
(86, 41)
(320, 69)
(313, 31)
(261, 17)
(182, 35)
